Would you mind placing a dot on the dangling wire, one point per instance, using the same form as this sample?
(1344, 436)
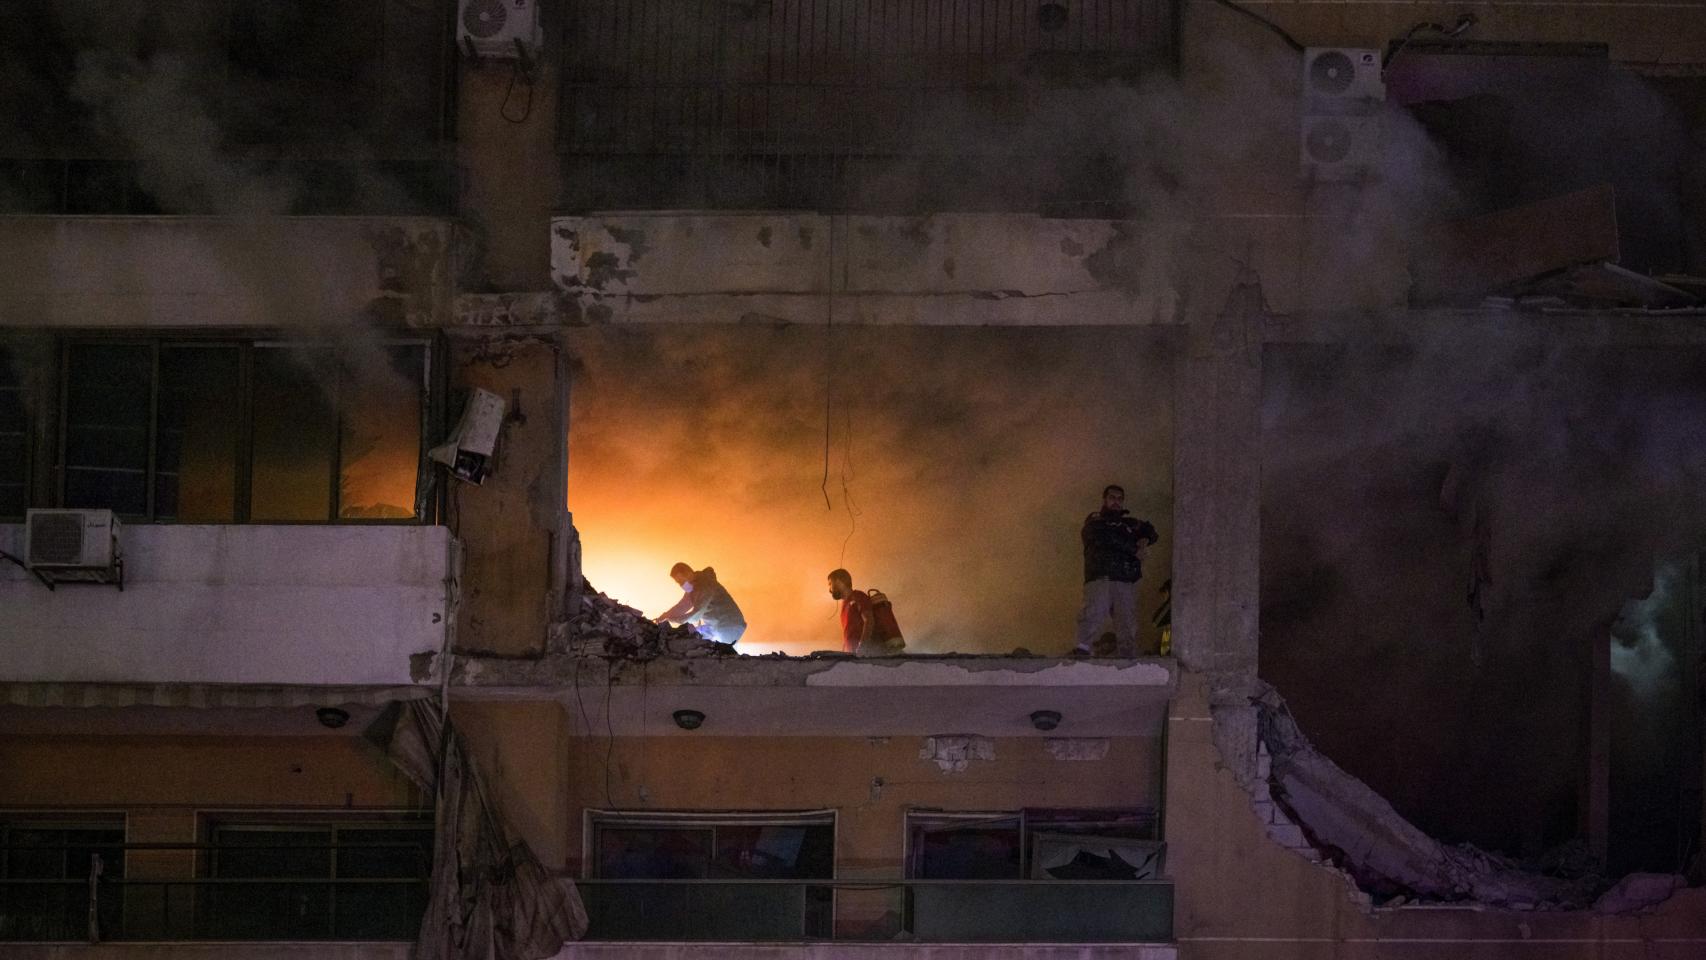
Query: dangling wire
(828, 371)
(853, 511)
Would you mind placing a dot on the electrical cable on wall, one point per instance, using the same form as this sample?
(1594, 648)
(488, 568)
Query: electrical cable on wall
(1269, 25)
(1462, 23)
(517, 71)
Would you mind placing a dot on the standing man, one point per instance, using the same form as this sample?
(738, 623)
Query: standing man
(1114, 545)
(856, 617)
(706, 604)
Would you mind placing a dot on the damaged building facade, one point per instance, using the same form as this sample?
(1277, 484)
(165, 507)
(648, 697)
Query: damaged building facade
(1388, 317)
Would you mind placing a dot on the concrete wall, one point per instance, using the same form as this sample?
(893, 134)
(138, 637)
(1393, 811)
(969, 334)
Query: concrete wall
(945, 269)
(336, 605)
(513, 527)
(1240, 894)
(289, 272)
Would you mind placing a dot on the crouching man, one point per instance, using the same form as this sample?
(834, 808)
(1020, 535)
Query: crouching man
(706, 604)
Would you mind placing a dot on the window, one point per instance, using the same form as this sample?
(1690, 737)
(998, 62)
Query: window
(700, 864)
(14, 437)
(1033, 844)
(725, 847)
(44, 873)
(333, 881)
(220, 431)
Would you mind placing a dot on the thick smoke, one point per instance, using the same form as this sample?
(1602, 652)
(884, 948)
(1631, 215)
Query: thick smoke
(962, 462)
(1447, 527)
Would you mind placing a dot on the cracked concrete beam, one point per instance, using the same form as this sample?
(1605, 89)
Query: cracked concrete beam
(1341, 813)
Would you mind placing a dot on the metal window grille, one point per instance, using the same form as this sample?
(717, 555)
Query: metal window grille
(821, 88)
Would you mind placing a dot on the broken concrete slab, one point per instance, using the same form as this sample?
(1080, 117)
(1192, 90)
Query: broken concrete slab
(1638, 891)
(1365, 836)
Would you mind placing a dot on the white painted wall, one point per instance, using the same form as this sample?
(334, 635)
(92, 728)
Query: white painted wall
(234, 604)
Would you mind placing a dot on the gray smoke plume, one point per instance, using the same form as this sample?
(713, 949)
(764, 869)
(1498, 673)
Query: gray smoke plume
(1448, 525)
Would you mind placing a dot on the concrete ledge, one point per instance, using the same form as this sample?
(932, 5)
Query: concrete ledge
(868, 951)
(207, 951)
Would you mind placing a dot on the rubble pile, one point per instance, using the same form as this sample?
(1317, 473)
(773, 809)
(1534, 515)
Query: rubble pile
(606, 627)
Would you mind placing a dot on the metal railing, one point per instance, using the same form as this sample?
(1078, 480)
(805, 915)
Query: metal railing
(103, 906)
(926, 911)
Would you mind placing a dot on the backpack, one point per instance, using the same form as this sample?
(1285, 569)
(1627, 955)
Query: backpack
(885, 629)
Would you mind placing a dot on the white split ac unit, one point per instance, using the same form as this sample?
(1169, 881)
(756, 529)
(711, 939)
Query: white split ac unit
(499, 28)
(1342, 98)
(1339, 74)
(72, 544)
(1340, 148)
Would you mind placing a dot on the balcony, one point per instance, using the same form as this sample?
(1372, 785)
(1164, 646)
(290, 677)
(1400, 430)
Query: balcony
(913, 911)
(233, 604)
(370, 918)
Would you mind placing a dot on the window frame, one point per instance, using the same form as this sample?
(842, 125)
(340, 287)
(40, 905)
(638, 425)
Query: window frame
(427, 510)
(61, 819)
(593, 819)
(1026, 823)
(11, 354)
(211, 823)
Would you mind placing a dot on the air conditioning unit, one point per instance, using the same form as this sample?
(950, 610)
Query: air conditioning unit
(1342, 99)
(71, 544)
(1337, 149)
(499, 28)
(1342, 80)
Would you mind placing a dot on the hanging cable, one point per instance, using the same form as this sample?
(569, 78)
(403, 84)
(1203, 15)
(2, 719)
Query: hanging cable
(847, 499)
(828, 371)
(1271, 26)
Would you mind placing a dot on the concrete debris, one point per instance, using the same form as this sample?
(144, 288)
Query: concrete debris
(604, 627)
(1363, 835)
(1638, 891)
(954, 754)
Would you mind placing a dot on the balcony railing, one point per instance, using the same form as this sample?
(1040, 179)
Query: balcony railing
(928, 911)
(103, 907)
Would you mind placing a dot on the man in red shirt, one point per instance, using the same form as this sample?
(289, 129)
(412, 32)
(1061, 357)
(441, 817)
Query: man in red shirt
(856, 618)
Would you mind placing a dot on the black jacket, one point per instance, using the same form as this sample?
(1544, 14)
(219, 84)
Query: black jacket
(1110, 545)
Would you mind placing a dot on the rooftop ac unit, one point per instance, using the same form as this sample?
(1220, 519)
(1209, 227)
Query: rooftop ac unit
(72, 546)
(1341, 80)
(499, 28)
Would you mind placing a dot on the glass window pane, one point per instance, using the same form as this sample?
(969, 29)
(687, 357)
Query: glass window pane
(968, 850)
(643, 853)
(295, 435)
(14, 436)
(107, 404)
(382, 911)
(381, 394)
(195, 471)
(268, 911)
